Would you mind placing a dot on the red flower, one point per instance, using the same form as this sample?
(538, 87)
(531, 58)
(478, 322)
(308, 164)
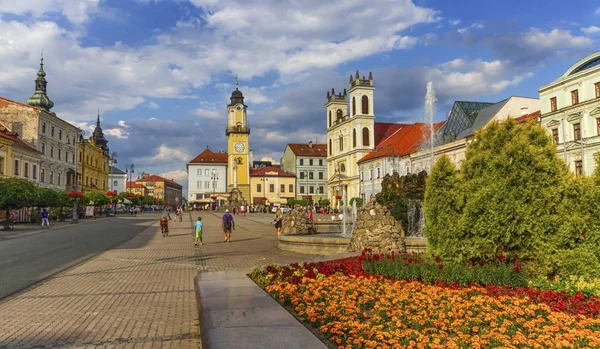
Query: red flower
(517, 267)
(437, 259)
(441, 266)
(501, 257)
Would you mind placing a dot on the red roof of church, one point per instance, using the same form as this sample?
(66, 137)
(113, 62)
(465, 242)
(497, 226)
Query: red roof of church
(405, 140)
(13, 136)
(208, 156)
(269, 169)
(303, 149)
(385, 129)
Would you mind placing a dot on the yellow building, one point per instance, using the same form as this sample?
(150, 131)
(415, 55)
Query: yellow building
(272, 186)
(92, 162)
(136, 189)
(238, 133)
(167, 190)
(17, 158)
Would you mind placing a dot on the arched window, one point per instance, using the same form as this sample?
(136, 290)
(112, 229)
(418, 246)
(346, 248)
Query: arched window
(365, 105)
(354, 138)
(353, 105)
(330, 148)
(340, 115)
(366, 137)
(341, 141)
(330, 118)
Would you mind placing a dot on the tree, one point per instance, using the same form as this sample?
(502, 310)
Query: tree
(46, 197)
(16, 193)
(95, 198)
(443, 204)
(324, 202)
(359, 202)
(398, 192)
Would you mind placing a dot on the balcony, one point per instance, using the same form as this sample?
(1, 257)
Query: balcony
(237, 129)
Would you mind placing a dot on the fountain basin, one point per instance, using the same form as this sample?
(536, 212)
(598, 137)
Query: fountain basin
(415, 244)
(317, 244)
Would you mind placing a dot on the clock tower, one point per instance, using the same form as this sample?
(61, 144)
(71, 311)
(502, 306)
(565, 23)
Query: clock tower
(238, 132)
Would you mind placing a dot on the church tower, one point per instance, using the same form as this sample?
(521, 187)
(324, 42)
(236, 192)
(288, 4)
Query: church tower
(40, 97)
(238, 133)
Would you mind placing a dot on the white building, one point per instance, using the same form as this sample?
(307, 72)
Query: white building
(309, 163)
(117, 180)
(570, 108)
(207, 176)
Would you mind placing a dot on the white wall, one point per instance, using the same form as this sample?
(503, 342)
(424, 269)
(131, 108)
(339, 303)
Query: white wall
(198, 178)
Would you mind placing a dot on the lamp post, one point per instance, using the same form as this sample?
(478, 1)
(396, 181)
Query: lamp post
(129, 169)
(78, 140)
(111, 162)
(214, 177)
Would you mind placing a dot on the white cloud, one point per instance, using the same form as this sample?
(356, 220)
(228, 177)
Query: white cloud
(590, 30)
(153, 105)
(178, 176)
(163, 154)
(555, 40)
(76, 11)
(122, 123)
(209, 114)
(597, 13)
(472, 26)
(455, 22)
(117, 132)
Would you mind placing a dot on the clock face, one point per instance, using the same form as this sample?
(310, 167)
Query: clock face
(239, 147)
(239, 108)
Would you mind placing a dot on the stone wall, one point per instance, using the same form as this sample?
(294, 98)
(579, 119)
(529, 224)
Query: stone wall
(375, 228)
(296, 223)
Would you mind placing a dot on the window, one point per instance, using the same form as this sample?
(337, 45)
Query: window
(67, 156)
(301, 162)
(52, 178)
(378, 172)
(341, 143)
(52, 131)
(16, 167)
(310, 162)
(578, 167)
(597, 89)
(198, 172)
(60, 134)
(80, 157)
(339, 115)
(311, 190)
(271, 188)
(330, 148)
(42, 175)
(577, 132)
(342, 168)
(115, 183)
(26, 170)
(365, 105)
(291, 188)
(321, 189)
(59, 154)
(43, 127)
(198, 196)
(555, 136)
(330, 118)
(574, 97)
(553, 106)
(206, 172)
(207, 184)
(354, 138)
(361, 175)
(301, 189)
(199, 184)
(44, 148)
(58, 178)
(365, 136)
(73, 156)
(370, 174)
(302, 175)
(51, 152)
(258, 188)
(320, 162)
(320, 175)
(34, 172)
(353, 105)
(283, 188)
(310, 175)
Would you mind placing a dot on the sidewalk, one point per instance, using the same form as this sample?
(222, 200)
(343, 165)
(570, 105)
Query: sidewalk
(26, 229)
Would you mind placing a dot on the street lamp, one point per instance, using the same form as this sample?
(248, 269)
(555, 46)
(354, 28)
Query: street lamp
(214, 177)
(111, 162)
(129, 170)
(78, 140)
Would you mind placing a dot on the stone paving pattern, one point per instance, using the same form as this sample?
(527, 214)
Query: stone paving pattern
(138, 295)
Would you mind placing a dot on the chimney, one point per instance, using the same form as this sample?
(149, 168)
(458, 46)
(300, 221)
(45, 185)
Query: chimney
(524, 111)
(310, 145)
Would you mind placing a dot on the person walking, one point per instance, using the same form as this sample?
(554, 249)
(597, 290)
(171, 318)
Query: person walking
(278, 221)
(243, 210)
(228, 225)
(45, 218)
(198, 227)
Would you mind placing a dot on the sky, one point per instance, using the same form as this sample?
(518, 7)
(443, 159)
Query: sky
(161, 71)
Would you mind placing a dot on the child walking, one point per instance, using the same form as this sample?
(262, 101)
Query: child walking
(198, 226)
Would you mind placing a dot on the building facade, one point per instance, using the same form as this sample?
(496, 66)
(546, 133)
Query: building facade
(272, 186)
(53, 137)
(93, 161)
(17, 158)
(136, 189)
(117, 180)
(162, 189)
(238, 148)
(570, 112)
(207, 178)
(309, 163)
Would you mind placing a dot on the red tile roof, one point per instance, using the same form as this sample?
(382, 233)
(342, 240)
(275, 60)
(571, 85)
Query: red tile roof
(526, 117)
(135, 185)
(208, 157)
(5, 101)
(278, 172)
(13, 136)
(385, 129)
(155, 178)
(303, 149)
(405, 140)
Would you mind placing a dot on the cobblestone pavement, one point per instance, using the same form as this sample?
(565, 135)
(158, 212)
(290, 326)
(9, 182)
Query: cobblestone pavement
(138, 295)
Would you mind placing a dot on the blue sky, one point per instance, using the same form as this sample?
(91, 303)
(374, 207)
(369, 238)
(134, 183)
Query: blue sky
(161, 71)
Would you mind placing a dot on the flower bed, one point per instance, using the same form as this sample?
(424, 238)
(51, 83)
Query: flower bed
(354, 309)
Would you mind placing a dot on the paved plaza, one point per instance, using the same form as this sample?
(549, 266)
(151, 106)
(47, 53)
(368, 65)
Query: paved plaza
(139, 294)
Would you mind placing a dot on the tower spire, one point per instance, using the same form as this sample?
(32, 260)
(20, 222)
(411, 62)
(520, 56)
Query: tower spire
(40, 97)
(98, 120)
(236, 82)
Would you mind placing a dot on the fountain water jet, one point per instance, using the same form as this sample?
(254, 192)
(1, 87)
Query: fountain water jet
(430, 100)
